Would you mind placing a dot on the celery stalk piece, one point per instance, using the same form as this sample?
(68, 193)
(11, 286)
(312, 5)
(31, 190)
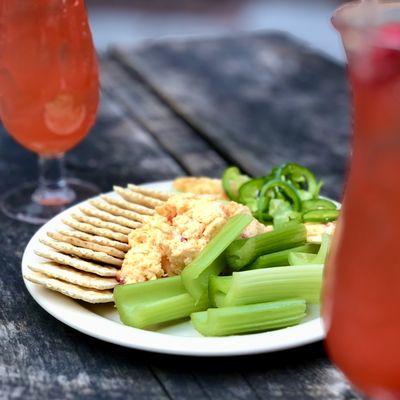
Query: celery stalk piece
(243, 252)
(281, 258)
(166, 310)
(249, 318)
(270, 284)
(211, 261)
(301, 258)
(322, 254)
(218, 287)
(153, 302)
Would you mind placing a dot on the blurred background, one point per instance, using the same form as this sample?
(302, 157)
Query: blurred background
(130, 21)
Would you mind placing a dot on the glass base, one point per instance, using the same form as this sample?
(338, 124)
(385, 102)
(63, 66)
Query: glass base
(25, 203)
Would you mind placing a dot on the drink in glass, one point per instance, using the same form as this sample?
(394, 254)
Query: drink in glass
(361, 299)
(49, 93)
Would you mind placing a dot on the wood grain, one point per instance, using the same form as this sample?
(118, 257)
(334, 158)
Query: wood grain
(261, 99)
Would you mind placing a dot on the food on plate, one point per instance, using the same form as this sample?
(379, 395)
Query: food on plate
(154, 302)
(267, 284)
(71, 275)
(105, 216)
(281, 258)
(288, 192)
(249, 318)
(69, 289)
(81, 259)
(126, 205)
(75, 262)
(135, 197)
(200, 185)
(156, 194)
(243, 252)
(211, 260)
(248, 264)
(176, 234)
(68, 238)
(81, 252)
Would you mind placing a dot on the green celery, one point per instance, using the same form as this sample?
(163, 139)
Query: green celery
(281, 258)
(243, 252)
(249, 318)
(210, 262)
(153, 302)
(268, 284)
(218, 286)
(301, 258)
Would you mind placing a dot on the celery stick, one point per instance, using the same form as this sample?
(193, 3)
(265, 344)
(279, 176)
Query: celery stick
(281, 258)
(195, 276)
(301, 258)
(153, 302)
(243, 252)
(128, 297)
(166, 310)
(218, 287)
(324, 249)
(270, 284)
(249, 318)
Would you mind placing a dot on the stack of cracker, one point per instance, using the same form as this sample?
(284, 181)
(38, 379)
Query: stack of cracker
(81, 259)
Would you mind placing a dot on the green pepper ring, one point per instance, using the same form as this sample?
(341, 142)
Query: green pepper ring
(288, 190)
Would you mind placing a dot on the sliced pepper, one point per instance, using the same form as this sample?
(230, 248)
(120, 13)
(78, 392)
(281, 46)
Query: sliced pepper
(318, 204)
(301, 178)
(277, 188)
(232, 180)
(249, 192)
(321, 216)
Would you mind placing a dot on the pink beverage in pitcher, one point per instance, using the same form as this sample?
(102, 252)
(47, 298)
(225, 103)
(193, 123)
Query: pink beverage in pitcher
(361, 302)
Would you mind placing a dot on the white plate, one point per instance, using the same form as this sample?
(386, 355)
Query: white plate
(102, 322)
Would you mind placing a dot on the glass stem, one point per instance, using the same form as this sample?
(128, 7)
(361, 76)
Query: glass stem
(52, 188)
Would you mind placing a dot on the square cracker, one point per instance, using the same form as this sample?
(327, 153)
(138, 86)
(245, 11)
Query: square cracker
(76, 241)
(77, 263)
(137, 198)
(97, 222)
(100, 240)
(71, 275)
(108, 217)
(69, 289)
(164, 196)
(118, 211)
(88, 228)
(80, 252)
(127, 205)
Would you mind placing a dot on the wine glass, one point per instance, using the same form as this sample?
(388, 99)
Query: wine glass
(49, 94)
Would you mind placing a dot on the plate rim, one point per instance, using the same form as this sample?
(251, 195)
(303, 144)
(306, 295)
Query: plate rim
(71, 313)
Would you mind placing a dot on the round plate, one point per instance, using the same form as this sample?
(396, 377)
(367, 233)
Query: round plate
(102, 322)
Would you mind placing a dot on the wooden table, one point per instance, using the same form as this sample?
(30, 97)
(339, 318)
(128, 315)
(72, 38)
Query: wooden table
(171, 108)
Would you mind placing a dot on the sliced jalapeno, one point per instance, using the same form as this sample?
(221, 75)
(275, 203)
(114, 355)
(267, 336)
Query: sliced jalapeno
(301, 178)
(321, 216)
(318, 204)
(277, 188)
(250, 190)
(232, 180)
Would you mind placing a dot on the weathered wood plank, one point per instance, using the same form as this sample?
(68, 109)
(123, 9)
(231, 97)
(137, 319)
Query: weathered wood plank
(262, 99)
(122, 152)
(191, 151)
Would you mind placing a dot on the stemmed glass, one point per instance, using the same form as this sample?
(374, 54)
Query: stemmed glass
(361, 299)
(49, 93)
